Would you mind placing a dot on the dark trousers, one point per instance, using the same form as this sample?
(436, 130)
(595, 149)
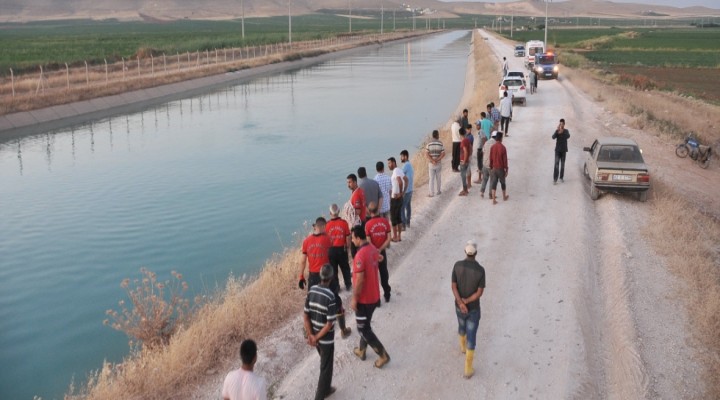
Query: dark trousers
(313, 279)
(363, 317)
(384, 275)
(504, 124)
(559, 165)
(326, 352)
(339, 260)
(456, 155)
(479, 158)
(353, 248)
(497, 175)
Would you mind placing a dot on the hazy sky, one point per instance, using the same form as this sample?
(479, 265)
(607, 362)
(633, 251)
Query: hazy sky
(675, 3)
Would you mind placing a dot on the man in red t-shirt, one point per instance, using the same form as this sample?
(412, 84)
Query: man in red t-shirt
(378, 231)
(357, 198)
(339, 232)
(366, 295)
(465, 152)
(315, 248)
(498, 168)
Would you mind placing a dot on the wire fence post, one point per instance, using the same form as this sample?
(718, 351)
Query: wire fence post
(138, 61)
(207, 57)
(152, 65)
(12, 81)
(67, 77)
(106, 72)
(41, 82)
(216, 56)
(87, 75)
(123, 61)
(178, 56)
(164, 64)
(198, 59)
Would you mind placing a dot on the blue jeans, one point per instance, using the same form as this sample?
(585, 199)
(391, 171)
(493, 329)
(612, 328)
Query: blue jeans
(463, 176)
(468, 325)
(406, 209)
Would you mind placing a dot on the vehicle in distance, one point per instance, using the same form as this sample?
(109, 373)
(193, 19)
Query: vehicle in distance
(531, 48)
(616, 165)
(520, 51)
(546, 65)
(515, 88)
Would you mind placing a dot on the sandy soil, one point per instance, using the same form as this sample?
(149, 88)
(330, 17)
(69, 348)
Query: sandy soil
(576, 304)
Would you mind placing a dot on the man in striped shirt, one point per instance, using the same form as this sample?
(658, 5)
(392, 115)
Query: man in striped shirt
(320, 310)
(385, 188)
(435, 152)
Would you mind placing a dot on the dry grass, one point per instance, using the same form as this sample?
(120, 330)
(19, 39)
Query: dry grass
(668, 114)
(689, 242)
(77, 84)
(240, 311)
(687, 238)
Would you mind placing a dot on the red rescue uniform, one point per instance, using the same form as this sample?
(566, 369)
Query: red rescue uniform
(358, 202)
(316, 247)
(338, 230)
(366, 262)
(377, 230)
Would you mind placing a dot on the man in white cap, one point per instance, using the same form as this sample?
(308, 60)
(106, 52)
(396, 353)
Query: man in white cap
(468, 284)
(486, 163)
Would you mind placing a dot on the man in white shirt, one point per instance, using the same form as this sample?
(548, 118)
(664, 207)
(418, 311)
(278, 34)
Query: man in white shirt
(243, 383)
(505, 113)
(399, 184)
(456, 139)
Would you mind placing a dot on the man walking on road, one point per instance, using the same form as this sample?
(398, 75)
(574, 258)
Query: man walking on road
(498, 168)
(378, 231)
(494, 115)
(486, 163)
(435, 152)
(399, 183)
(468, 284)
(561, 136)
(406, 211)
(243, 383)
(505, 113)
(504, 67)
(465, 150)
(319, 318)
(366, 296)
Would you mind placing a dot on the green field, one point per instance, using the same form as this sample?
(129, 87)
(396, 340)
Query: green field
(681, 47)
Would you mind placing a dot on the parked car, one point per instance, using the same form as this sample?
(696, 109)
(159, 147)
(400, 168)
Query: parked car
(616, 165)
(515, 74)
(519, 51)
(515, 86)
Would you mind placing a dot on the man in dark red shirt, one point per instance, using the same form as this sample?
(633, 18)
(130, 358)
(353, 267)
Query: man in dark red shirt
(316, 248)
(498, 168)
(465, 151)
(357, 198)
(366, 295)
(378, 231)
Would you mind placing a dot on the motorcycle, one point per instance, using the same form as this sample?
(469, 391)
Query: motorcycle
(695, 150)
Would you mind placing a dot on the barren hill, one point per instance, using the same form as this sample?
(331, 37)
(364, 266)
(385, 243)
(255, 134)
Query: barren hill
(29, 10)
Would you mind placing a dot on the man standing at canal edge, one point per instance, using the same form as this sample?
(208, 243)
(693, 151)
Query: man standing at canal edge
(319, 318)
(407, 168)
(378, 231)
(366, 296)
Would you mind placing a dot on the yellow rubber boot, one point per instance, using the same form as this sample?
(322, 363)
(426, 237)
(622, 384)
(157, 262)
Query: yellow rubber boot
(463, 343)
(469, 371)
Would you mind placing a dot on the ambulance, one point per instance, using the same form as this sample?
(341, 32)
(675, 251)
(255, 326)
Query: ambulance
(531, 48)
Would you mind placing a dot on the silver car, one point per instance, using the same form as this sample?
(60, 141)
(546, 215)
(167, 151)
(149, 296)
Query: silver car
(616, 165)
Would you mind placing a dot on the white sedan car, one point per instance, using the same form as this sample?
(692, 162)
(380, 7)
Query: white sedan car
(515, 88)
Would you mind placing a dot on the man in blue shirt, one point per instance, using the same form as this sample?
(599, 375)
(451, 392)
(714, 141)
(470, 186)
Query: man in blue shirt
(406, 209)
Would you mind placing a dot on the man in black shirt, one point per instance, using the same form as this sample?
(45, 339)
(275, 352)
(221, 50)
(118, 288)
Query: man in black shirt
(561, 136)
(468, 284)
(320, 311)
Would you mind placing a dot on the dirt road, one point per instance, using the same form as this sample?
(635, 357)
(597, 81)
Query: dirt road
(576, 304)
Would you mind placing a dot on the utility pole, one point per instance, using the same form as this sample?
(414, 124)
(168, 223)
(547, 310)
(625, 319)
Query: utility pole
(349, 17)
(413, 18)
(393, 20)
(512, 19)
(242, 17)
(546, 21)
(382, 18)
(289, 22)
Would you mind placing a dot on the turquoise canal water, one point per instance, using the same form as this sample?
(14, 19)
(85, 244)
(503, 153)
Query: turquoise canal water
(206, 186)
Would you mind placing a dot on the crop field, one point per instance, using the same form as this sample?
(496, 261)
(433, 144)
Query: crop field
(53, 43)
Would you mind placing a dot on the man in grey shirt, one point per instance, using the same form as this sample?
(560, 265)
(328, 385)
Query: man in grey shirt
(370, 187)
